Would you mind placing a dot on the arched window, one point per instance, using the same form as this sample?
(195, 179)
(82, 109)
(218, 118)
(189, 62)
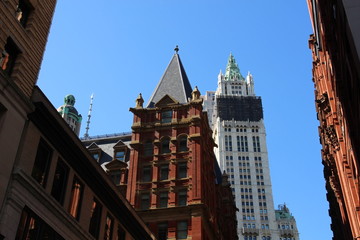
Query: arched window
(165, 145)
(182, 144)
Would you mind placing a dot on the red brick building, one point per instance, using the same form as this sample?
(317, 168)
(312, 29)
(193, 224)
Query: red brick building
(335, 47)
(174, 179)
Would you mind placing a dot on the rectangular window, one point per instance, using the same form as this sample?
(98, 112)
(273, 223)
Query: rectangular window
(60, 181)
(165, 145)
(166, 116)
(148, 149)
(164, 172)
(42, 163)
(256, 144)
(163, 199)
(94, 226)
(146, 174)
(121, 234)
(95, 156)
(108, 227)
(228, 143)
(8, 56)
(182, 230)
(76, 198)
(23, 11)
(145, 201)
(120, 155)
(32, 227)
(182, 197)
(162, 231)
(115, 176)
(182, 170)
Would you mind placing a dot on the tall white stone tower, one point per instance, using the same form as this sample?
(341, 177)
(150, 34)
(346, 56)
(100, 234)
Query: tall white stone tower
(236, 116)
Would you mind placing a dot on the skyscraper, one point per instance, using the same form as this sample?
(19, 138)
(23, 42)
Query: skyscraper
(236, 116)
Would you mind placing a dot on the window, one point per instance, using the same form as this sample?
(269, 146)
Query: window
(94, 226)
(145, 201)
(148, 148)
(120, 155)
(60, 181)
(228, 143)
(108, 227)
(96, 156)
(181, 230)
(115, 176)
(242, 143)
(183, 144)
(182, 197)
(42, 163)
(164, 172)
(76, 198)
(32, 227)
(256, 144)
(163, 199)
(166, 116)
(146, 174)
(162, 231)
(121, 234)
(182, 170)
(165, 145)
(8, 56)
(23, 11)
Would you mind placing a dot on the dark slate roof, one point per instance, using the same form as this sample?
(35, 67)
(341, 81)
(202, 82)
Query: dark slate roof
(244, 108)
(174, 83)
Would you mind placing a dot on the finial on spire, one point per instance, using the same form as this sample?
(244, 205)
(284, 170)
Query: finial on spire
(195, 94)
(86, 135)
(139, 101)
(176, 49)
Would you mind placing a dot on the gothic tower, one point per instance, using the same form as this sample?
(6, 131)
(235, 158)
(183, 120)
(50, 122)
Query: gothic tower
(236, 116)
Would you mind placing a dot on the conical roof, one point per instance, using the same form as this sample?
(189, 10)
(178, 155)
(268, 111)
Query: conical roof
(174, 83)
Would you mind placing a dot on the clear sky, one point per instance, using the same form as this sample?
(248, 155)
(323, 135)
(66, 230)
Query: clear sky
(118, 49)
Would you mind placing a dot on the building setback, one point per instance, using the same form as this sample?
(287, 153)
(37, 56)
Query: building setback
(173, 179)
(236, 117)
(51, 187)
(335, 47)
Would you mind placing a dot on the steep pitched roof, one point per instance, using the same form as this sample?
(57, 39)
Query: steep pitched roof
(174, 83)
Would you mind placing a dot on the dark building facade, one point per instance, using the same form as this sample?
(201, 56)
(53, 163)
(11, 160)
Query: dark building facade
(335, 47)
(51, 187)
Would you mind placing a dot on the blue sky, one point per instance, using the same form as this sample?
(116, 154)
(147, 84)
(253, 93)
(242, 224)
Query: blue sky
(118, 49)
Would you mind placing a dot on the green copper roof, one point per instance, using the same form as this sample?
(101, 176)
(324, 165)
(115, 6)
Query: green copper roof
(232, 70)
(69, 100)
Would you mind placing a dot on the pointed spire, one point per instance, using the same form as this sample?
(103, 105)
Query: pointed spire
(174, 83)
(232, 72)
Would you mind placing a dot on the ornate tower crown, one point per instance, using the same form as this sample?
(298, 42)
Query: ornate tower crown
(232, 70)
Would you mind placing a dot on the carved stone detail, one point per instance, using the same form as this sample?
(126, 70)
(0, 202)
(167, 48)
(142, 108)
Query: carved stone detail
(331, 137)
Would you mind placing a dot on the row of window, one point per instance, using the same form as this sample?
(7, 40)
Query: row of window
(181, 230)
(162, 199)
(252, 225)
(286, 226)
(163, 172)
(58, 191)
(165, 146)
(241, 128)
(242, 143)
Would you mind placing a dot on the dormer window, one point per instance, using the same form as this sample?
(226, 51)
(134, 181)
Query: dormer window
(166, 116)
(120, 155)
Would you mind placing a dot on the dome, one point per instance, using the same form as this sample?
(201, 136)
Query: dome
(69, 100)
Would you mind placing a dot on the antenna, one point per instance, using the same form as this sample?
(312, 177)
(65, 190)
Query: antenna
(86, 135)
